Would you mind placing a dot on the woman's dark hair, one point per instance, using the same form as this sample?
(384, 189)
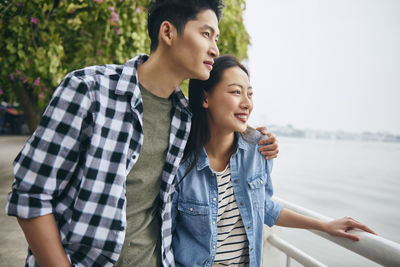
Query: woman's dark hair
(200, 133)
(178, 12)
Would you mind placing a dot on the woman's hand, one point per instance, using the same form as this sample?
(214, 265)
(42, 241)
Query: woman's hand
(339, 227)
(269, 147)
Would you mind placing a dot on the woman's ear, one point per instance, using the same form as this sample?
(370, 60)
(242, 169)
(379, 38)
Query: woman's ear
(205, 100)
(167, 33)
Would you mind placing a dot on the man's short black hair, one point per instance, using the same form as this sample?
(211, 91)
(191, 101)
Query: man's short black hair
(178, 13)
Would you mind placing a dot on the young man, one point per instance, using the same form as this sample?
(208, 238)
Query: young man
(80, 187)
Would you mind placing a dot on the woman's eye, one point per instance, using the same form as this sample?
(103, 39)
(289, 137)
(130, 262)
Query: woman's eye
(236, 92)
(250, 94)
(206, 34)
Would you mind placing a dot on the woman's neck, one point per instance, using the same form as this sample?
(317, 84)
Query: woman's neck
(219, 149)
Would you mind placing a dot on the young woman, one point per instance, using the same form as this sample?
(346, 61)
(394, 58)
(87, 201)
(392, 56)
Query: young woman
(223, 189)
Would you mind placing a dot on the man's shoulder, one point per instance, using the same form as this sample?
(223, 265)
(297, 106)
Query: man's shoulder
(93, 72)
(110, 75)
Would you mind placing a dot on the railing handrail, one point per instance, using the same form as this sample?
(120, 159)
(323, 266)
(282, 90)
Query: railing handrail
(375, 248)
(293, 252)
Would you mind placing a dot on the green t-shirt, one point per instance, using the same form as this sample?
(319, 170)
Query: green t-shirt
(142, 245)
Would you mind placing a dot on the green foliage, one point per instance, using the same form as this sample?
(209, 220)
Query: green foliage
(234, 38)
(42, 40)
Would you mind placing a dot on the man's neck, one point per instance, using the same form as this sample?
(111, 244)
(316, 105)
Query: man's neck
(158, 76)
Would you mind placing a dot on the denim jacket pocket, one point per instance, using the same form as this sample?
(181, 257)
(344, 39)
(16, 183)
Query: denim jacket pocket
(257, 190)
(194, 217)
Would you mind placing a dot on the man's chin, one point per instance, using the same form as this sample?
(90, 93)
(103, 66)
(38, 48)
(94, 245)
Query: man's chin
(203, 76)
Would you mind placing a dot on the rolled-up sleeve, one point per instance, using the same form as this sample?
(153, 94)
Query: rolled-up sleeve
(45, 165)
(272, 209)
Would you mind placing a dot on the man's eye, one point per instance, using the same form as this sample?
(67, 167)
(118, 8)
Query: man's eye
(250, 94)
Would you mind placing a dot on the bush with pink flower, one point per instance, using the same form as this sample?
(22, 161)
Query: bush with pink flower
(43, 40)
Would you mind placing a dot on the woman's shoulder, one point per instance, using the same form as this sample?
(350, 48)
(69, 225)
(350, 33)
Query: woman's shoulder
(250, 138)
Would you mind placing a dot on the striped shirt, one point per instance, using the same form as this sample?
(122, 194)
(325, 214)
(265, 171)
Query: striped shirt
(232, 243)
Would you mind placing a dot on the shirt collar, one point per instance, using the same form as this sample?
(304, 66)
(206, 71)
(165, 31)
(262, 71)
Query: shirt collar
(129, 83)
(128, 80)
(203, 162)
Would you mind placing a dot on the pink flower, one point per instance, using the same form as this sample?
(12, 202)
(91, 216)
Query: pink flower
(45, 89)
(114, 17)
(138, 10)
(17, 71)
(41, 95)
(99, 52)
(117, 31)
(22, 77)
(12, 76)
(34, 20)
(37, 81)
(104, 42)
(121, 1)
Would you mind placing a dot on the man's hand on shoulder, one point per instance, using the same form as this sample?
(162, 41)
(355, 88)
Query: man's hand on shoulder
(269, 146)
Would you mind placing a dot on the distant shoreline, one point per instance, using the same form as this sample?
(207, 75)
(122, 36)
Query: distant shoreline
(290, 131)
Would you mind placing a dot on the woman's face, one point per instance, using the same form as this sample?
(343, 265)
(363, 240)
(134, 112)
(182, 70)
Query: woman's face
(230, 104)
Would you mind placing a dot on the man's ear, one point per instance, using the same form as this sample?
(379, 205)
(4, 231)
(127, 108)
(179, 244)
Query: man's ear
(167, 33)
(205, 100)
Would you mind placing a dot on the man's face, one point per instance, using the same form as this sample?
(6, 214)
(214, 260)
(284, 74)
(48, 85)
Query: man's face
(195, 49)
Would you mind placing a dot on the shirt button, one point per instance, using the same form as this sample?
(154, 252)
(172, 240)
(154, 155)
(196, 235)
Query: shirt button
(191, 209)
(213, 222)
(241, 203)
(248, 227)
(214, 199)
(261, 182)
(214, 246)
(251, 249)
(235, 181)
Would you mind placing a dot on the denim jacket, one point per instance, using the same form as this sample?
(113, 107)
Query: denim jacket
(195, 205)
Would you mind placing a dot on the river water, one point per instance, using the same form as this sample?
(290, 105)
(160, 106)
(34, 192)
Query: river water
(340, 178)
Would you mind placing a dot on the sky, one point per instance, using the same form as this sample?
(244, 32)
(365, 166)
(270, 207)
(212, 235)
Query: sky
(325, 64)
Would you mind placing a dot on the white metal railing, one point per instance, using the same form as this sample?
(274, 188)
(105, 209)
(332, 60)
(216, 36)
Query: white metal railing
(293, 252)
(375, 248)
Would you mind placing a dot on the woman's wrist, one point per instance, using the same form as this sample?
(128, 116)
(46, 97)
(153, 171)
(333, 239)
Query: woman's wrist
(323, 226)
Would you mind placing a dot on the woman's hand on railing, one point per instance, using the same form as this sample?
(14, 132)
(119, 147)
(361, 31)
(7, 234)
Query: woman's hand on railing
(340, 228)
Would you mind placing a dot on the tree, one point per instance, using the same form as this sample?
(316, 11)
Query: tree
(43, 40)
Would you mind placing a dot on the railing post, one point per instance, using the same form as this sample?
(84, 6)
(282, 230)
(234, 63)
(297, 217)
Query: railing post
(288, 260)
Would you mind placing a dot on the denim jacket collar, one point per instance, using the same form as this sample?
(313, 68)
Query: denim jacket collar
(203, 162)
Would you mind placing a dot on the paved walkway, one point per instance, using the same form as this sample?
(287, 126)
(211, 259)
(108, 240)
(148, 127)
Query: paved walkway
(13, 247)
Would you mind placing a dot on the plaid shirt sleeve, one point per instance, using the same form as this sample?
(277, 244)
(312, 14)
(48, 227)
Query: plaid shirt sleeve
(45, 165)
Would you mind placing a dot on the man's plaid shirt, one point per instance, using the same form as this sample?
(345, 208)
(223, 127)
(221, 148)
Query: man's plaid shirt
(75, 164)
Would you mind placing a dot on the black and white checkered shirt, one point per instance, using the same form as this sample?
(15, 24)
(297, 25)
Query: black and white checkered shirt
(75, 164)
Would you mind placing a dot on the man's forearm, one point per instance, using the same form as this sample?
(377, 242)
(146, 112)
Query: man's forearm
(44, 240)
